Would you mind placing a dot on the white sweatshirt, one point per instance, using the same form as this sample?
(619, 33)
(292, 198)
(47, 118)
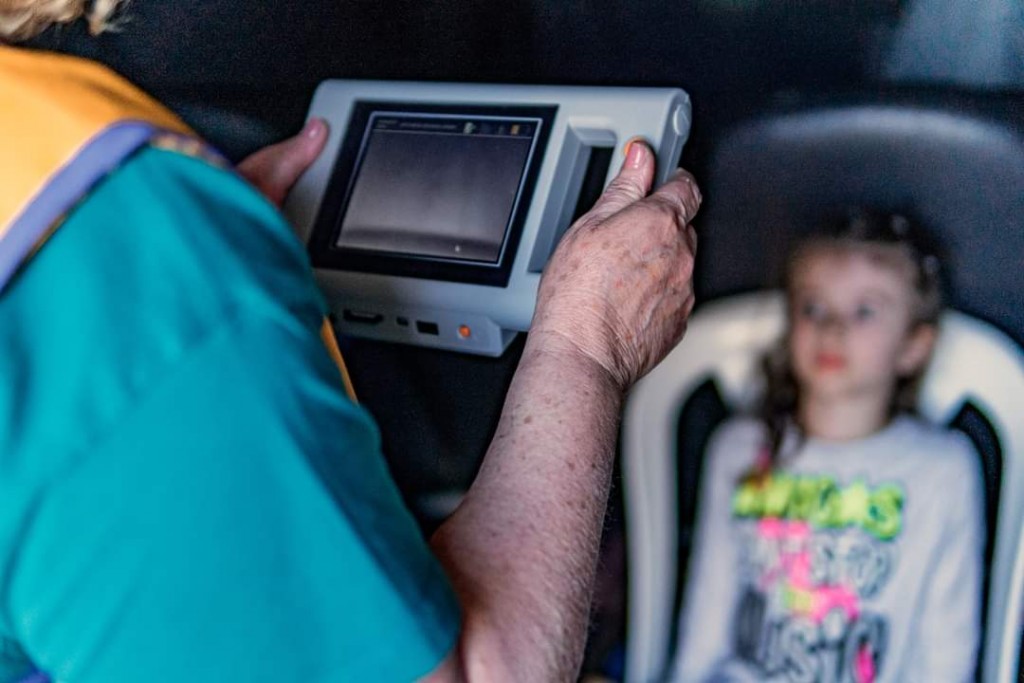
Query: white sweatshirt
(853, 562)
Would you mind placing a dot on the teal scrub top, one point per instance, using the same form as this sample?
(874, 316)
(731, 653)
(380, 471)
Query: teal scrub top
(186, 491)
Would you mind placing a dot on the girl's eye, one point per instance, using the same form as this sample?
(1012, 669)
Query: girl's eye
(812, 311)
(864, 313)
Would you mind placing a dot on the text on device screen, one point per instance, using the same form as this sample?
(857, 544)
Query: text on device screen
(437, 185)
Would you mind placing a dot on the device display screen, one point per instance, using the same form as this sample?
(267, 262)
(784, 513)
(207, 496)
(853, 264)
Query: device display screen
(430, 191)
(437, 186)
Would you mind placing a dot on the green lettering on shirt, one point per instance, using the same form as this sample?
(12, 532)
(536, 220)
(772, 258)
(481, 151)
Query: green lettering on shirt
(823, 503)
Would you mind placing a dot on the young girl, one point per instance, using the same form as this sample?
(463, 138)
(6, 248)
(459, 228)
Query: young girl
(839, 537)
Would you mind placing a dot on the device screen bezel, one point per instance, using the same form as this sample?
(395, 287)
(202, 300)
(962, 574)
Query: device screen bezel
(323, 243)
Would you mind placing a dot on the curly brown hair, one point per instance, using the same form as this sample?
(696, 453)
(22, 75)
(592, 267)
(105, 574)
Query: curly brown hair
(24, 19)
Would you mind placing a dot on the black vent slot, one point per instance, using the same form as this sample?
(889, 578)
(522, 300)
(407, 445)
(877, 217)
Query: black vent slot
(593, 180)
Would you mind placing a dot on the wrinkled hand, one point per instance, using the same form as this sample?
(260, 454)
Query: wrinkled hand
(275, 169)
(619, 287)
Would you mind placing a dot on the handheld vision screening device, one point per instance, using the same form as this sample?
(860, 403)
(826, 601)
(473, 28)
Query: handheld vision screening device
(433, 208)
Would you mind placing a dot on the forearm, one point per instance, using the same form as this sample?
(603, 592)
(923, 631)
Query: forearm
(521, 549)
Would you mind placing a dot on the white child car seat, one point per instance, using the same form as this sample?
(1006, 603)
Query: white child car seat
(973, 362)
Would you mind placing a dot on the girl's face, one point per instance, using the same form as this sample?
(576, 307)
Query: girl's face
(852, 331)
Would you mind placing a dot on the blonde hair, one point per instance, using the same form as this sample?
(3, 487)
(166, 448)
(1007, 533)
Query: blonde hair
(24, 19)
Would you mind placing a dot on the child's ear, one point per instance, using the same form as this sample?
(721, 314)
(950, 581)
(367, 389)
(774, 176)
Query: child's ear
(917, 350)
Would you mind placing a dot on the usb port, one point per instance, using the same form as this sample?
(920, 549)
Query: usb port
(427, 328)
(363, 317)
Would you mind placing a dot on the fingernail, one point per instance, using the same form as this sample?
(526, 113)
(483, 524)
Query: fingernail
(635, 153)
(314, 128)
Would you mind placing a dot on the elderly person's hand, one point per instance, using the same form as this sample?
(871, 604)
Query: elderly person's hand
(275, 169)
(619, 287)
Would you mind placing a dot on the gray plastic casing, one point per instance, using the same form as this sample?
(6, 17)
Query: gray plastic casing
(586, 118)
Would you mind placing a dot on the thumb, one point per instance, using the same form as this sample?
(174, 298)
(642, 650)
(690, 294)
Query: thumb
(631, 184)
(275, 169)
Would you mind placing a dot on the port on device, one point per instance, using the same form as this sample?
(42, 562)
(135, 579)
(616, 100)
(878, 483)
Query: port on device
(427, 328)
(363, 317)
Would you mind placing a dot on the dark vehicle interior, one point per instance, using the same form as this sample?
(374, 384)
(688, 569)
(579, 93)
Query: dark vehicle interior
(915, 105)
